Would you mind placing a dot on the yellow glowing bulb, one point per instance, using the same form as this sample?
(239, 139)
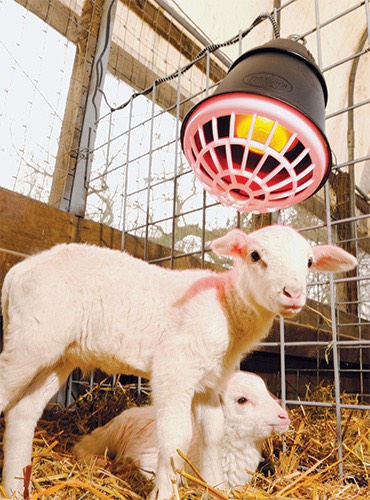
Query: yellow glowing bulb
(261, 130)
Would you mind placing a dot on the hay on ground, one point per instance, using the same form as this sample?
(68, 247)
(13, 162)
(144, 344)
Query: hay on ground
(306, 469)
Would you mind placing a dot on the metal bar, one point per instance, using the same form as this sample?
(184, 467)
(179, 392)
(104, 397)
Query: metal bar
(283, 344)
(314, 343)
(148, 120)
(335, 167)
(78, 191)
(361, 349)
(146, 242)
(174, 201)
(124, 201)
(327, 405)
(286, 4)
(105, 171)
(136, 158)
(327, 370)
(348, 108)
(345, 60)
(335, 351)
(332, 19)
(204, 201)
(282, 354)
(338, 280)
(184, 101)
(320, 226)
(332, 288)
(240, 43)
(352, 162)
(176, 256)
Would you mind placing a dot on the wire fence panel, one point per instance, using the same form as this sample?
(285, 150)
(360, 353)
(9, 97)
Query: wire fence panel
(139, 181)
(147, 189)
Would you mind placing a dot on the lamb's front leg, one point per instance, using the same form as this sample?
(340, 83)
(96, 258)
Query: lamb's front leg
(210, 424)
(172, 403)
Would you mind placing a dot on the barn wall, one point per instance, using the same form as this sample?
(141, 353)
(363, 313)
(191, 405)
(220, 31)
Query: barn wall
(29, 226)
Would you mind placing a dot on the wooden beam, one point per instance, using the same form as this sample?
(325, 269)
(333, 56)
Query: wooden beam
(69, 24)
(29, 226)
(8, 260)
(163, 26)
(56, 14)
(316, 206)
(295, 332)
(362, 205)
(128, 69)
(133, 69)
(74, 113)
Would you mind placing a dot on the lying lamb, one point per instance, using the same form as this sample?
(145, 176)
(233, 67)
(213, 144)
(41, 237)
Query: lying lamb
(251, 415)
(89, 307)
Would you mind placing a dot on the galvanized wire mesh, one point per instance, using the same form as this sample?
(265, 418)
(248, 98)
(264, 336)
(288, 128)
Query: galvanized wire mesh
(139, 181)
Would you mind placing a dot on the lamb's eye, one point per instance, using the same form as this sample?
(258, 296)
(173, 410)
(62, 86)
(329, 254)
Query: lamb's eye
(242, 401)
(255, 256)
(310, 262)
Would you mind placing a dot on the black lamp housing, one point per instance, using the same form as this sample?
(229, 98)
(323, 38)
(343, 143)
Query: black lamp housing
(258, 142)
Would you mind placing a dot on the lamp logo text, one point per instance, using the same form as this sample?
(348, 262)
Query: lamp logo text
(268, 80)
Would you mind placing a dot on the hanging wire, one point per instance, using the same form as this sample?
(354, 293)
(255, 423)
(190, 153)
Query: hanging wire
(209, 48)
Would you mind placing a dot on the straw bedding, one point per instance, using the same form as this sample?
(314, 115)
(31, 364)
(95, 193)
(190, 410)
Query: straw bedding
(307, 469)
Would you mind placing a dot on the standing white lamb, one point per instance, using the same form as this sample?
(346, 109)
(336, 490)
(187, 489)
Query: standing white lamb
(90, 307)
(251, 415)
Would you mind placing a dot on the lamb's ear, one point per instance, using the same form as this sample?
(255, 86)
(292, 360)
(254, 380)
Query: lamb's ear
(331, 258)
(233, 244)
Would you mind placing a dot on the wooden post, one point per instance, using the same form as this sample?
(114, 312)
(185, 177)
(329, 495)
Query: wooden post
(343, 185)
(86, 44)
(77, 187)
(261, 220)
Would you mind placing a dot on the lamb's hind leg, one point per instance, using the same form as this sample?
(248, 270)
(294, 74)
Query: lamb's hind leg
(20, 422)
(29, 347)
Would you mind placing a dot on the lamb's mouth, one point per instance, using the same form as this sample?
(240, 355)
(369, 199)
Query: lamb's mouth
(290, 310)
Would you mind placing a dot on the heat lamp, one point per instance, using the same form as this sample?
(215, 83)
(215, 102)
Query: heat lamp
(258, 142)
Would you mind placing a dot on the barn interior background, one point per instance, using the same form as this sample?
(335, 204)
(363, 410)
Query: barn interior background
(82, 160)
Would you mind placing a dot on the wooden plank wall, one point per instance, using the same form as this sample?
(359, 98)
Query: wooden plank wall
(28, 226)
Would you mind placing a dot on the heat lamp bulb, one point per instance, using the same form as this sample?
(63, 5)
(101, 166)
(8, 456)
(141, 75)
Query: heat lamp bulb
(261, 130)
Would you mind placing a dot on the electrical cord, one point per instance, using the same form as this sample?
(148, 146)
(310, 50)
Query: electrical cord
(209, 48)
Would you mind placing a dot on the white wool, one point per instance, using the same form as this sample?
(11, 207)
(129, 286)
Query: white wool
(83, 306)
(131, 436)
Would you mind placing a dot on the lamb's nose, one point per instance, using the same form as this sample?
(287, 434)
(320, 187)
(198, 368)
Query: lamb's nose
(292, 293)
(284, 416)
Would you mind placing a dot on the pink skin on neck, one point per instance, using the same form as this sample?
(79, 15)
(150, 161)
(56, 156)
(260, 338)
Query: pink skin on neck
(217, 282)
